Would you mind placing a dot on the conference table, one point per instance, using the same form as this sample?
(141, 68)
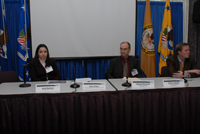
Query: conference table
(191, 82)
(114, 110)
(13, 88)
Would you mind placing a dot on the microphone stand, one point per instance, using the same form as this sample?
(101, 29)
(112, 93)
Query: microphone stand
(74, 85)
(185, 81)
(24, 73)
(126, 84)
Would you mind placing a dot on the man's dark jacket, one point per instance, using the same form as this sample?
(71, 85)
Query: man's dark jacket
(173, 65)
(115, 67)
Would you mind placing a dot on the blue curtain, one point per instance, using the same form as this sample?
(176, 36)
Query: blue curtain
(96, 68)
(67, 69)
(157, 11)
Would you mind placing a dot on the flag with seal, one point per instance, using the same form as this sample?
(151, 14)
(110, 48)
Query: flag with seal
(23, 42)
(147, 46)
(4, 40)
(165, 47)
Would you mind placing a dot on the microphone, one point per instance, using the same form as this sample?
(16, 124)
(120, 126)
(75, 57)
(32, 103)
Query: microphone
(185, 81)
(126, 84)
(74, 85)
(25, 65)
(24, 73)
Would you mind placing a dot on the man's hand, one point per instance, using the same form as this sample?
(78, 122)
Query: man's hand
(179, 74)
(197, 71)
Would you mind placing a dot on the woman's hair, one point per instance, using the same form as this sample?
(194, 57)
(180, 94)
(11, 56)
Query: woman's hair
(36, 58)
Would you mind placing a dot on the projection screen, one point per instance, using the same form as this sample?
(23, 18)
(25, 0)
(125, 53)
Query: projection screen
(83, 28)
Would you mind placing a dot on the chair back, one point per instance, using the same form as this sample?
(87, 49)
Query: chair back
(8, 76)
(163, 71)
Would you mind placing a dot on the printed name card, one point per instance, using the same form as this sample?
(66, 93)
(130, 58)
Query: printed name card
(143, 84)
(94, 85)
(46, 88)
(173, 83)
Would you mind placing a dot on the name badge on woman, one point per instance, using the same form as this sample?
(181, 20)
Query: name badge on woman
(49, 69)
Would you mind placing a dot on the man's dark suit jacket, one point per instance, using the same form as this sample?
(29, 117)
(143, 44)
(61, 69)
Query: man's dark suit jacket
(38, 73)
(173, 65)
(115, 68)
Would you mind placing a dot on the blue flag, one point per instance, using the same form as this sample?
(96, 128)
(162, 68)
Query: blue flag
(23, 42)
(4, 41)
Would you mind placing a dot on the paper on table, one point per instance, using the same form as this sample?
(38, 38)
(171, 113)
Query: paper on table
(131, 79)
(81, 80)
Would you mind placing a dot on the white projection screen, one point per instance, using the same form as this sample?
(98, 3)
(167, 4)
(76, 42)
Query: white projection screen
(83, 28)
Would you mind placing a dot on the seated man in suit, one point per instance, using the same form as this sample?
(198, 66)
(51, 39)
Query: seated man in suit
(124, 65)
(182, 61)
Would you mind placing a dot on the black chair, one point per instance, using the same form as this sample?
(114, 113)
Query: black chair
(8, 76)
(163, 71)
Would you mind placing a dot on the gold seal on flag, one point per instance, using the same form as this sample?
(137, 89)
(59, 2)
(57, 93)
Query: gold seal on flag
(147, 40)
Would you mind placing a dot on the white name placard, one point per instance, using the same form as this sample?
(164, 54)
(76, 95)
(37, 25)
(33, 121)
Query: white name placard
(46, 88)
(94, 85)
(143, 84)
(173, 83)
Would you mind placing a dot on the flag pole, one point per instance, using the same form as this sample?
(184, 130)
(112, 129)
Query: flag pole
(25, 25)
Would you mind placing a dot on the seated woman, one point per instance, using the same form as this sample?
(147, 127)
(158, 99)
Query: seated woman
(42, 67)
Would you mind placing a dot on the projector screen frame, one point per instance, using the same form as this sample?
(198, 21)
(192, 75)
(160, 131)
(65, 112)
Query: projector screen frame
(88, 57)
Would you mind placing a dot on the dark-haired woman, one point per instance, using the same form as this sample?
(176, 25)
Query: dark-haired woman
(42, 67)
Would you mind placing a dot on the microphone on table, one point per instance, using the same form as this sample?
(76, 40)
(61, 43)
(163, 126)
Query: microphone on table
(24, 73)
(185, 81)
(126, 84)
(25, 65)
(74, 85)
